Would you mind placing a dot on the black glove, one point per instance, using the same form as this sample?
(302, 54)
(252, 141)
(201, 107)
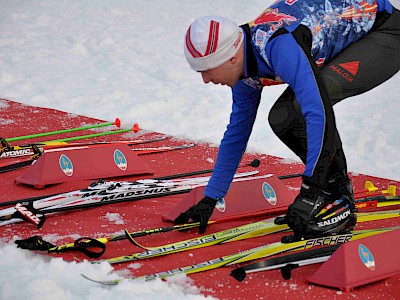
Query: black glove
(200, 212)
(302, 211)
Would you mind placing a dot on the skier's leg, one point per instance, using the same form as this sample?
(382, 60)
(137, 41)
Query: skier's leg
(359, 68)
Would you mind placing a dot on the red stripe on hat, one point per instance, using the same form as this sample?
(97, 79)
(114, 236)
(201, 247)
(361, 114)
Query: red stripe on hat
(189, 45)
(212, 38)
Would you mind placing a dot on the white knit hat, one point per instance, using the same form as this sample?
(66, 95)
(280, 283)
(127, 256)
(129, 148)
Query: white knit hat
(211, 41)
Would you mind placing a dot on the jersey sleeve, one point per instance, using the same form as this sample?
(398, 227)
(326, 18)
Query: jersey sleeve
(244, 110)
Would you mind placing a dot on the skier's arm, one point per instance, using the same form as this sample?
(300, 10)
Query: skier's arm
(244, 109)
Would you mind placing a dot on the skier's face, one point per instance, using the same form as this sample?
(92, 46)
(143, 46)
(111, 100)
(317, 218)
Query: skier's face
(226, 74)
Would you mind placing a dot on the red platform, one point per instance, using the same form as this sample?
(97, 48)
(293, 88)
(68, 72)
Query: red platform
(146, 214)
(79, 163)
(245, 198)
(360, 262)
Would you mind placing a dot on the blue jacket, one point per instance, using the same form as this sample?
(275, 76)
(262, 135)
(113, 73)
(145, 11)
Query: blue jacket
(334, 25)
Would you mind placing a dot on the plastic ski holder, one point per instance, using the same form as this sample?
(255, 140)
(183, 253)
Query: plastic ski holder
(361, 262)
(79, 163)
(247, 197)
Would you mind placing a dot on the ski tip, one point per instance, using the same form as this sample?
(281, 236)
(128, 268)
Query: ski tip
(135, 128)
(239, 274)
(105, 282)
(117, 122)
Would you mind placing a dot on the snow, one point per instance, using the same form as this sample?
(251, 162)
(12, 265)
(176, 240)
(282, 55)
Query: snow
(108, 59)
(115, 218)
(42, 277)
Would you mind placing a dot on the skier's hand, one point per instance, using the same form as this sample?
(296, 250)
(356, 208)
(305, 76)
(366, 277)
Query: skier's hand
(200, 212)
(301, 211)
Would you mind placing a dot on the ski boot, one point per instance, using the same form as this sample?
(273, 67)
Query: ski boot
(315, 213)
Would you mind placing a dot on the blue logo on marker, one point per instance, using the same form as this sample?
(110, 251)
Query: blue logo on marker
(366, 257)
(120, 160)
(269, 193)
(221, 205)
(66, 165)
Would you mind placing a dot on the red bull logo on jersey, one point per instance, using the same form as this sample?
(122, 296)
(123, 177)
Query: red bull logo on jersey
(120, 160)
(66, 165)
(274, 18)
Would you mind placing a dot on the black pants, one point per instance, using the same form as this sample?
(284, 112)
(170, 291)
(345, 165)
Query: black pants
(360, 67)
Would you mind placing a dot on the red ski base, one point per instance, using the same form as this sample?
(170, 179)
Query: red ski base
(145, 214)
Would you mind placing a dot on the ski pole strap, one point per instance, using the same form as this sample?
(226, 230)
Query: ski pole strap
(5, 145)
(37, 152)
(93, 248)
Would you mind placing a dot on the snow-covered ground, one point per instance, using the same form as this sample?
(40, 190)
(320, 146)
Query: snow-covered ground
(121, 58)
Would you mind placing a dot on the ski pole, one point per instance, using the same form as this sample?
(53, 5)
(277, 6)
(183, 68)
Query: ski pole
(94, 247)
(8, 151)
(135, 129)
(255, 164)
(84, 244)
(117, 123)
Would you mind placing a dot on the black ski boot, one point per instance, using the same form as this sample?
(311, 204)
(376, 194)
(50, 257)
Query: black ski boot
(334, 218)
